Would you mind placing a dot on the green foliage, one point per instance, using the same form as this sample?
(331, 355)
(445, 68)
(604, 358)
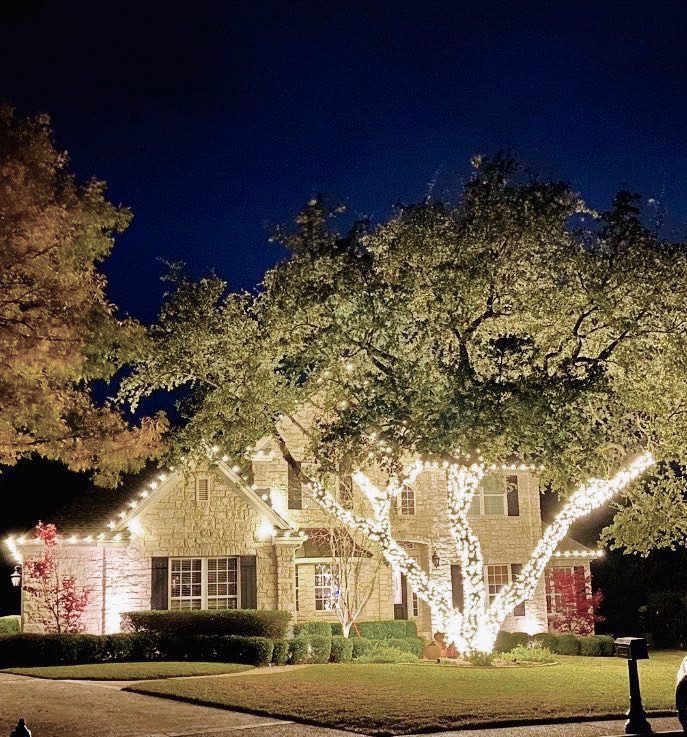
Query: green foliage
(590, 645)
(361, 646)
(607, 646)
(247, 650)
(246, 622)
(387, 629)
(10, 625)
(337, 629)
(522, 654)
(304, 629)
(280, 654)
(130, 646)
(342, 649)
(500, 320)
(320, 650)
(299, 650)
(413, 645)
(481, 659)
(36, 649)
(386, 654)
(568, 644)
(546, 640)
(506, 641)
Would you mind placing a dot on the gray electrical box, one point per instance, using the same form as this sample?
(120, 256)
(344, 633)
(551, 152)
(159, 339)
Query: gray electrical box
(631, 648)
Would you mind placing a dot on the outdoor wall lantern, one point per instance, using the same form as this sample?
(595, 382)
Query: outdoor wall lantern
(634, 649)
(15, 577)
(435, 559)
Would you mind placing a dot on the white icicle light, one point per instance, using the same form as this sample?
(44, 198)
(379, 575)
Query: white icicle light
(476, 627)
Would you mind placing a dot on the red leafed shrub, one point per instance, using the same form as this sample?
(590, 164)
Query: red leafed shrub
(62, 600)
(574, 603)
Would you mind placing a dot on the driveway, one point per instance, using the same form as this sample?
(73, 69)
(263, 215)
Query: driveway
(68, 708)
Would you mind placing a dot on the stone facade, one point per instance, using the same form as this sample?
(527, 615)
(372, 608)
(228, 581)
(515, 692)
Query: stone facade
(173, 521)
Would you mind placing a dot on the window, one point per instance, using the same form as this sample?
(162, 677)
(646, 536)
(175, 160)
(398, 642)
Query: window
(497, 577)
(325, 588)
(202, 489)
(416, 605)
(298, 605)
(407, 501)
(295, 489)
(186, 584)
(490, 498)
(204, 583)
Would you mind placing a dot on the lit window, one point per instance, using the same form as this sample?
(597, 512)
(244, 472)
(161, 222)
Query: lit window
(490, 498)
(202, 490)
(497, 577)
(416, 605)
(298, 604)
(407, 501)
(204, 583)
(325, 588)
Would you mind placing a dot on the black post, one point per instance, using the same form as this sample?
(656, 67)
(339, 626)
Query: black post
(637, 722)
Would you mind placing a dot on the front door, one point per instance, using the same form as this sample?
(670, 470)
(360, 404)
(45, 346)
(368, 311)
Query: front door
(400, 596)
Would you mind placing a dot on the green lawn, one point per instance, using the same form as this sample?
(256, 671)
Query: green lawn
(398, 699)
(129, 671)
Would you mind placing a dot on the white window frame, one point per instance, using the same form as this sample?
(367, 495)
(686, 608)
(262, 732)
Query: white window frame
(477, 507)
(325, 591)
(509, 578)
(205, 597)
(406, 501)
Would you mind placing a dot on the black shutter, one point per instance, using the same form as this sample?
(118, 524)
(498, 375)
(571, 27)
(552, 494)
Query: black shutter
(457, 587)
(515, 569)
(159, 584)
(512, 496)
(249, 582)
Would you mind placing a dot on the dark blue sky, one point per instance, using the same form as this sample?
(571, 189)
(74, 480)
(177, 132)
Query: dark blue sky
(215, 120)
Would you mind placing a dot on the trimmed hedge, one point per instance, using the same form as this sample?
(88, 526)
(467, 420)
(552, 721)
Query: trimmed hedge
(34, 649)
(243, 622)
(568, 644)
(361, 646)
(342, 649)
(559, 643)
(308, 629)
(10, 625)
(414, 645)
(298, 650)
(320, 649)
(547, 640)
(280, 654)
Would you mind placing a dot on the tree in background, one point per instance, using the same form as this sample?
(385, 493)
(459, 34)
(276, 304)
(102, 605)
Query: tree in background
(62, 601)
(515, 325)
(575, 606)
(58, 332)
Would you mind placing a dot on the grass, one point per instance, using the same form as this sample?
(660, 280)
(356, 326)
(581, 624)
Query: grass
(129, 671)
(400, 699)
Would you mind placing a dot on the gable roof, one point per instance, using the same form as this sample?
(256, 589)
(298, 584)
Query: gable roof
(570, 548)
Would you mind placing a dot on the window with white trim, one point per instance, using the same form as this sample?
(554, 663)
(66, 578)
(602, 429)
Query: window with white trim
(325, 587)
(490, 498)
(202, 489)
(203, 583)
(498, 576)
(407, 501)
(416, 605)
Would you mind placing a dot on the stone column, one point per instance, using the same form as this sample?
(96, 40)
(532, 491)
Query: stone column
(286, 574)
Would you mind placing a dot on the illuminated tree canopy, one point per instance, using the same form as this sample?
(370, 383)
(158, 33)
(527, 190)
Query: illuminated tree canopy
(58, 332)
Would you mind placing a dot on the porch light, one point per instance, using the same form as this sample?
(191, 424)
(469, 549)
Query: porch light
(436, 561)
(15, 577)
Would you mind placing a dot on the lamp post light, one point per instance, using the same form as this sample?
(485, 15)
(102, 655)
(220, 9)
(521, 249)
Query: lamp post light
(15, 576)
(435, 559)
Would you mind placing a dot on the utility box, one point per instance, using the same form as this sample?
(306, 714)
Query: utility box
(631, 648)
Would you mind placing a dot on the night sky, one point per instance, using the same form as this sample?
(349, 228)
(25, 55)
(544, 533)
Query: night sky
(215, 121)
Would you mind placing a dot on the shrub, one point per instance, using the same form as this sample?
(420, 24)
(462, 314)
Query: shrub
(521, 654)
(547, 640)
(248, 650)
(387, 655)
(505, 642)
(299, 650)
(413, 645)
(320, 649)
(568, 644)
(481, 659)
(130, 646)
(606, 645)
(280, 654)
(10, 625)
(361, 646)
(308, 629)
(243, 622)
(337, 629)
(387, 630)
(29, 649)
(520, 638)
(342, 649)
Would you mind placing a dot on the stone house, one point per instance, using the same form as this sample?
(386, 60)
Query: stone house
(212, 538)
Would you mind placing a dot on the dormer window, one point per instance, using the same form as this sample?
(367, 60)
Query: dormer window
(202, 489)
